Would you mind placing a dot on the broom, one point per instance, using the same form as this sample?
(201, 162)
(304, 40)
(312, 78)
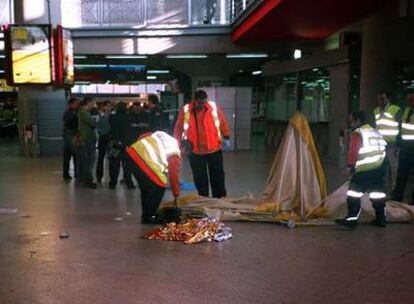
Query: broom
(172, 214)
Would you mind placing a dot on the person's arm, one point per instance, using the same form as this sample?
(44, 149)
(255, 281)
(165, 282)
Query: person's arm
(174, 163)
(87, 119)
(355, 145)
(224, 126)
(179, 126)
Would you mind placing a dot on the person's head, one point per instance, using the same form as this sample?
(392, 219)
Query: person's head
(87, 103)
(136, 108)
(73, 103)
(410, 99)
(152, 101)
(383, 98)
(121, 107)
(357, 119)
(200, 96)
(106, 107)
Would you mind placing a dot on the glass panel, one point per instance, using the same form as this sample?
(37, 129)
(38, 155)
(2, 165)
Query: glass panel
(162, 12)
(90, 12)
(119, 12)
(210, 11)
(5, 12)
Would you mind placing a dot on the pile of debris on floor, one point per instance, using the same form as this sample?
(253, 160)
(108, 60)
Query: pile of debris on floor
(192, 231)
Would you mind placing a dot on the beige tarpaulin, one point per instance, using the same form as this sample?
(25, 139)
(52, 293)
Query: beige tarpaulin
(295, 189)
(296, 180)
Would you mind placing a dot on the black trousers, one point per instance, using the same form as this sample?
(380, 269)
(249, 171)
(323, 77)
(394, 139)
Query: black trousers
(151, 193)
(405, 168)
(115, 167)
(69, 152)
(208, 171)
(102, 149)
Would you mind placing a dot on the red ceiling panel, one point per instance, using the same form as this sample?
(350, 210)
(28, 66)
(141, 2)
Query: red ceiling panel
(302, 19)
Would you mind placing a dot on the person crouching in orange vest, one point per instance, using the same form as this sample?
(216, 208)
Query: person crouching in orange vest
(202, 129)
(154, 160)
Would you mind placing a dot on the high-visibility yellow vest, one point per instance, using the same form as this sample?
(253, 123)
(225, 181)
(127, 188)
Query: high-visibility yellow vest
(371, 155)
(387, 123)
(407, 126)
(155, 150)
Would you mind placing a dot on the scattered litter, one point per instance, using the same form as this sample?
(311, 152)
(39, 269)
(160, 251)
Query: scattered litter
(32, 252)
(44, 233)
(192, 231)
(119, 219)
(8, 211)
(128, 213)
(26, 216)
(64, 235)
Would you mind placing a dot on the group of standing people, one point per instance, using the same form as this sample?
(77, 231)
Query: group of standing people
(380, 158)
(104, 131)
(138, 140)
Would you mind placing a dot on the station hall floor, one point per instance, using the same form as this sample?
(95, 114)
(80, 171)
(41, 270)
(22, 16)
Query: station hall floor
(107, 261)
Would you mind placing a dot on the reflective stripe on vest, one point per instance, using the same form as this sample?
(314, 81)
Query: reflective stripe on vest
(154, 150)
(372, 153)
(387, 123)
(407, 125)
(214, 114)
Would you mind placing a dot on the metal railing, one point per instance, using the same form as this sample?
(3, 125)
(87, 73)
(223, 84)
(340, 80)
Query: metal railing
(149, 13)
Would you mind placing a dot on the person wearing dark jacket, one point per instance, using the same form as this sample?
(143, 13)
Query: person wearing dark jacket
(104, 132)
(158, 117)
(120, 138)
(70, 137)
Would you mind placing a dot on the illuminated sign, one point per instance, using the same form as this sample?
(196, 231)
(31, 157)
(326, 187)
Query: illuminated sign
(30, 54)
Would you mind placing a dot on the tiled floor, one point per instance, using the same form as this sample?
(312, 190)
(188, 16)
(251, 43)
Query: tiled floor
(106, 261)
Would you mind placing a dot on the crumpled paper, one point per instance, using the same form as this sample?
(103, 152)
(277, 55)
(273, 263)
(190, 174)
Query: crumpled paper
(192, 231)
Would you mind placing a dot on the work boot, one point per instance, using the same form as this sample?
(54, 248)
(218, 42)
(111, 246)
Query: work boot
(152, 220)
(354, 208)
(380, 217)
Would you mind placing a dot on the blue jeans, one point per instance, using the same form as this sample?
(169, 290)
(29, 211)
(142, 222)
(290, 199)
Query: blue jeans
(87, 156)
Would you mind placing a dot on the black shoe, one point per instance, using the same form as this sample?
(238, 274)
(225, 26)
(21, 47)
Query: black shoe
(112, 186)
(379, 223)
(151, 220)
(67, 177)
(347, 223)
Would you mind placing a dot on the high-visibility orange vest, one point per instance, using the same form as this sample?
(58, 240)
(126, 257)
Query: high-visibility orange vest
(211, 126)
(154, 150)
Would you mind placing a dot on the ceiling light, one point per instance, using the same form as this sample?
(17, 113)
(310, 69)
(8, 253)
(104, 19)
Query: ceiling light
(151, 77)
(247, 56)
(158, 71)
(188, 56)
(241, 71)
(80, 57)
(2, 56)
(126, 57)
(257, 72)
(315, 69)
(297, 54)
(1, 71)
(90, 65)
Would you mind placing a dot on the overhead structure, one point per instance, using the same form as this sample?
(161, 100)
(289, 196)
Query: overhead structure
(301, 19)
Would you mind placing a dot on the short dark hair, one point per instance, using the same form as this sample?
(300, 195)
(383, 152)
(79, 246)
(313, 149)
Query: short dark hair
(362, 116)
(85, 101)
(72, 100)
(106, 102)
(200, 95)
(153, 98)
(385, 92)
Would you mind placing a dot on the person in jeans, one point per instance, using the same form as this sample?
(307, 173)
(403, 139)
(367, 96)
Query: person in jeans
(87, 150)
(70, 137)
(104, 132)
